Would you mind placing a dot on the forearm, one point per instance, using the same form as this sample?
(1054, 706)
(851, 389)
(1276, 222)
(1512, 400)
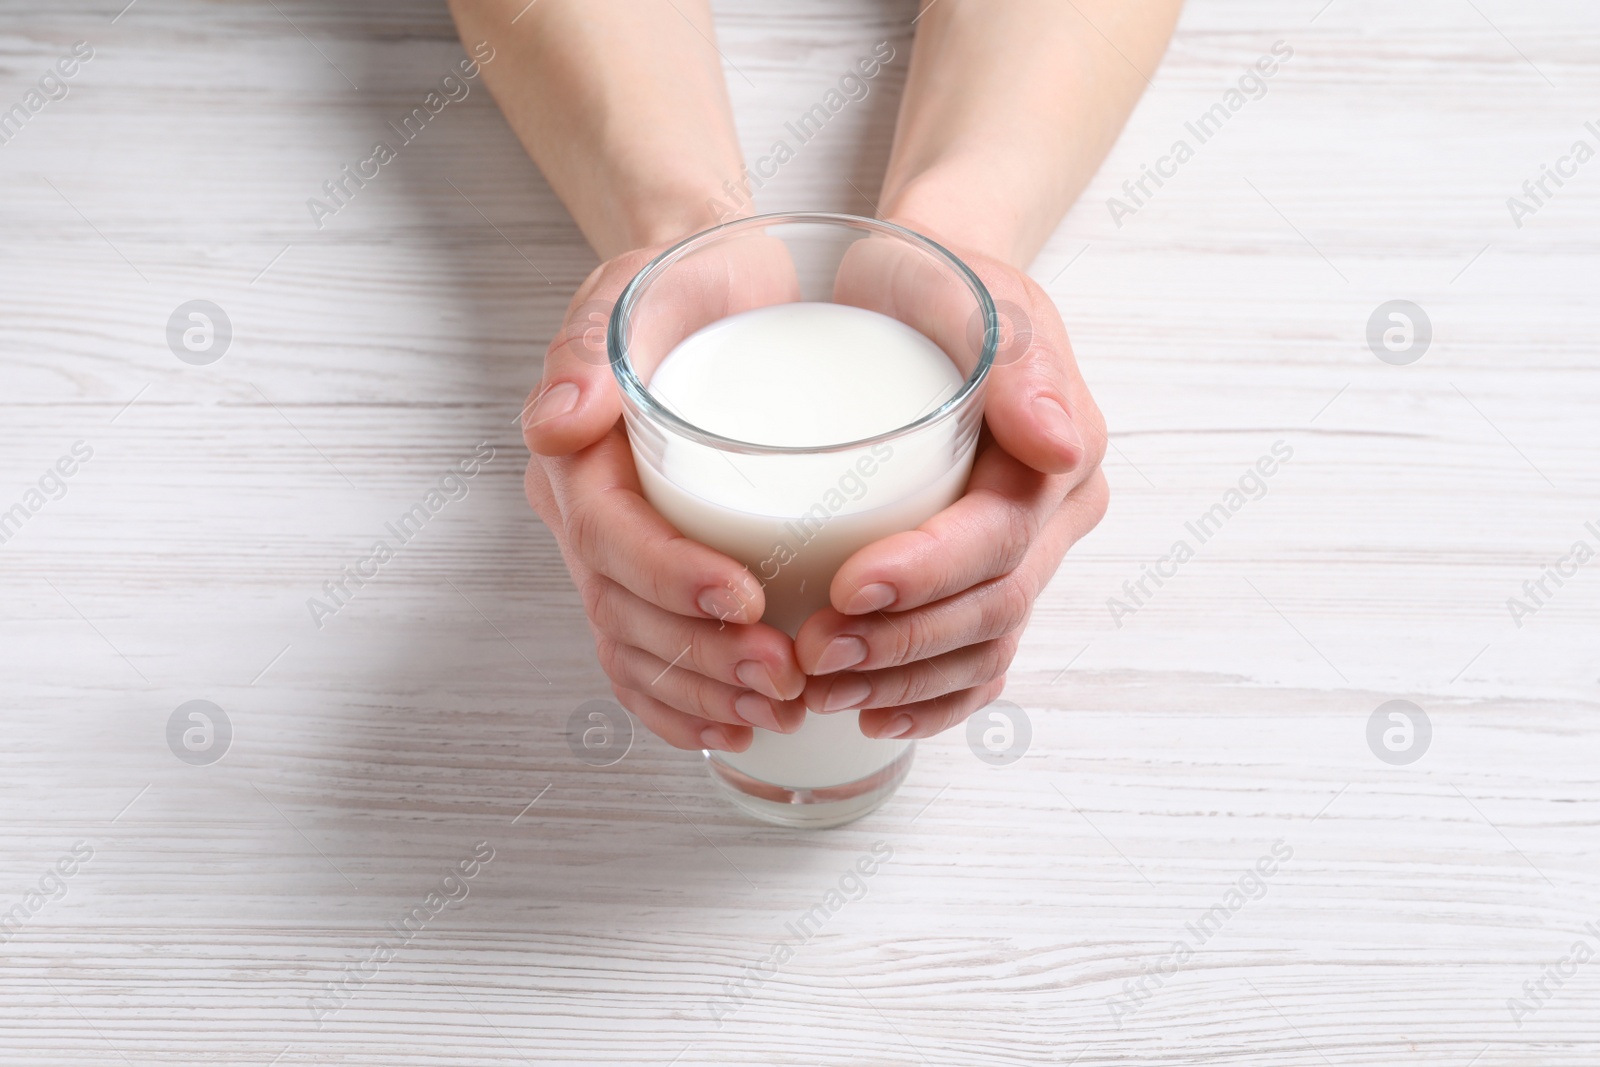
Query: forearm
(621, 104)
(1010, 108)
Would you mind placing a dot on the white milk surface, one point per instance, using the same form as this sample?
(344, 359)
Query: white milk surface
(805, 375)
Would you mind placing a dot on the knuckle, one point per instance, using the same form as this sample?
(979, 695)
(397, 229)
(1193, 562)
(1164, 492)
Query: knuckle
(988, 694)
(1008, 606)
(715, 652)
(701, 654)
(958, 712)
(598, 603)
(583, 524)
(678, 685)
(704, 698)
(663, 582)
(610, 656)
(996, 657)
(969, 701)
(716, 702)
(896, 689)
(910, 639)
(957, 708)
(1021, 529)
(1008, 646)
(999, 550)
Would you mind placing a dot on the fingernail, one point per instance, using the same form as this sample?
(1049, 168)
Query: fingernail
(557, 400)
(1057, 423)
(848, 692)
(898, 726)
(756, 710)
(874, 597)
(753, 674)
(843, 651)
(712, 737)
(719, 602)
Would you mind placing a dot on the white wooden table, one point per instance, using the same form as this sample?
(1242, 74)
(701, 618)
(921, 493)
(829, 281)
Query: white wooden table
(1170, 753)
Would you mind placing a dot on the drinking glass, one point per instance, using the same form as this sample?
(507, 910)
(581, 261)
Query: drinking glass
(780, 510)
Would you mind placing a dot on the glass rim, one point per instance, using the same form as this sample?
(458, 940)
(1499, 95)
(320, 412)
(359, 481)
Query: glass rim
(635, 390)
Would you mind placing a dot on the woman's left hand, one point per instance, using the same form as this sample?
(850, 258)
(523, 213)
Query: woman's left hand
(923, 625)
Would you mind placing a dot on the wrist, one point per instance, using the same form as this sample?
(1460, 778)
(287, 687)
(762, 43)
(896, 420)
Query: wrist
(946, 201)
(970, 202)
(660, 211)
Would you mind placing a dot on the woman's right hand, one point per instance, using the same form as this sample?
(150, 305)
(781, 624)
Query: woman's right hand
(675, 623)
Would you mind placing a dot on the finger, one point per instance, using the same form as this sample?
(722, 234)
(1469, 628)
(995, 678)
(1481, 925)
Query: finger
(536, 486)
(576, 400)
(615, 532)
(983, 535)
(739, 272)
(681, 730)
(755, 656)
(898, 686)
(930, 716)
(830, 641)
(1037, 405)
(693, 693)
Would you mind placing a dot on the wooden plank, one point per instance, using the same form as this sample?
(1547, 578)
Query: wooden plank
(1225, 717)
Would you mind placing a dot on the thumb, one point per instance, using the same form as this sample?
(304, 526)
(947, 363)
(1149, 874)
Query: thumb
(576, 400)
(1037, 406)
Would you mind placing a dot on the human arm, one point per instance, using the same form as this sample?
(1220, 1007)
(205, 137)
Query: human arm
(623, 107)
(1009, 109)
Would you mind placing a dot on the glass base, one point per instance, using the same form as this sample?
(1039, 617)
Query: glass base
(809, 809)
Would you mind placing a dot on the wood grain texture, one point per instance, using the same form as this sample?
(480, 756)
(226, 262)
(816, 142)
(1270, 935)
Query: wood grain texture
(1170, 752)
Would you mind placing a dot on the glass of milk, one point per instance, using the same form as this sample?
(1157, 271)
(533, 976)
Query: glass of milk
(796, 387)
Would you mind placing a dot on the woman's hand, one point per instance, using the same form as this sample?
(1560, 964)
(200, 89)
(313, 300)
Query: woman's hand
(660, 605)
(1008, 110)
(923, 625)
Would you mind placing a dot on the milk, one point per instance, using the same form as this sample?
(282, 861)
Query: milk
(805, 375)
